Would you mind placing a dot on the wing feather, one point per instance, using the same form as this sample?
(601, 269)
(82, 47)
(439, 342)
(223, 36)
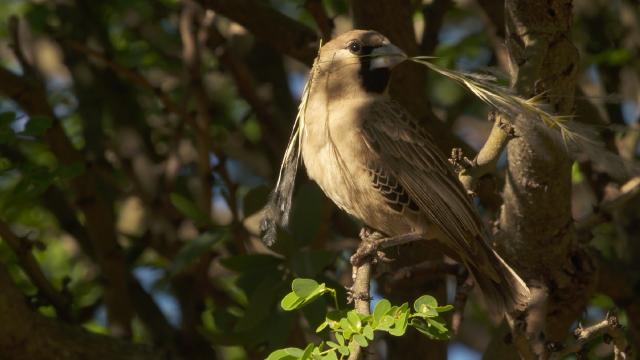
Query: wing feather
(410, 155)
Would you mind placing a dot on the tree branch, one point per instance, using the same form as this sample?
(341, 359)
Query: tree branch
(610, 328)
(58, 299)
(193, 24)
(25, 334)
(470, 171)
(282, 32)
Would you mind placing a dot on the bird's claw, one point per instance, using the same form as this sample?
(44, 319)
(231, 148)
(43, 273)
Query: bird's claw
(459, 161)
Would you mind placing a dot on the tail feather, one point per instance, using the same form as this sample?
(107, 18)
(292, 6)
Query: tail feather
(505, 292)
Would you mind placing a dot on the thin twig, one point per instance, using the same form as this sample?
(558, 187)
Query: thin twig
(465, 284)
(628, 192)
(610, 328)
(429, 268)
(192, 19)
(17, 47)
(60, 300)
(469, 171)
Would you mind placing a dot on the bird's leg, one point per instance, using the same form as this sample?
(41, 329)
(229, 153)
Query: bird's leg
(368, 253)
(368, 248)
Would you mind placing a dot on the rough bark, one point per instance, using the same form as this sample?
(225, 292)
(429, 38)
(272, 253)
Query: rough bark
(536, 216)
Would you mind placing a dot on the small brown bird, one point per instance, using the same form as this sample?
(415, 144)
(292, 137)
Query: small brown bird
(376, 163)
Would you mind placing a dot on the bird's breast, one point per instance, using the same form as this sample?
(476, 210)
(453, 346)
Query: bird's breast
(337, 158)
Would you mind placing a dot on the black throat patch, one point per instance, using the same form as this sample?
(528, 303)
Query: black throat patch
(374, 81)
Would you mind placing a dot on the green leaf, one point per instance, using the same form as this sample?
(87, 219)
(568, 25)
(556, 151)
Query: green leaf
(304, 287)
(331, 355)
(332, 344)
(304, 292)
(307, 352)
(189, 209)
(291, 301)
(354, 320)
(424, 302)
(438, 324)
(401, 320)
(37, 125)
(192, 251)
(432, 328)
(360, 340)
(340, 338)
(382, 307)
(385, 323)
(286, 354)
(427, 330)
(344, 350)
(346, 327)
(368, 332)
(333, 318)
(322, 326)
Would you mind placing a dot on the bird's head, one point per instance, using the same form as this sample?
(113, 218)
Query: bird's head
(356, 61)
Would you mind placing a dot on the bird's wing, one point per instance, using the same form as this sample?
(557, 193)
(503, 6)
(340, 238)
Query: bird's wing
(408, 154)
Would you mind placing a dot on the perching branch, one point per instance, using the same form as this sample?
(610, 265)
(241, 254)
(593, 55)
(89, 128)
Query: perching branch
(361, 282)
(609, 328)
(362, 261)
(370, 246)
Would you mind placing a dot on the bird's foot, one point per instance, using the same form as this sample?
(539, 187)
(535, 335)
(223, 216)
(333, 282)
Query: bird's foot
(369, 234)
(459, 161)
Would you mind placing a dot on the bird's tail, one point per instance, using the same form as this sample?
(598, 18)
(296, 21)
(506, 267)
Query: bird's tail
(503, 290)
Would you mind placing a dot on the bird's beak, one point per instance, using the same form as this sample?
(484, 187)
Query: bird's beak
(386, 56)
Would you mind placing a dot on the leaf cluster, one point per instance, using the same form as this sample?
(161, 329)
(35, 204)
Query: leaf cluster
(349, 328)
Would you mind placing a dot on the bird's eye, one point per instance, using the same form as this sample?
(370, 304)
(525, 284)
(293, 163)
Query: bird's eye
(354, 47)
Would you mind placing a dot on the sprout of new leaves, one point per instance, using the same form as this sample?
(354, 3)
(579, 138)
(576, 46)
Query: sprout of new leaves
(348, 327)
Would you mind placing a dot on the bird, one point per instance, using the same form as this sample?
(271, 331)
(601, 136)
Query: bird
(377, 163)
